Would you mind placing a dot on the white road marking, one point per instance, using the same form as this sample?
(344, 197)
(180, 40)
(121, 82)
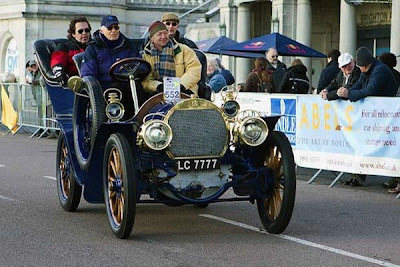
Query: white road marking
(302, 241)
(50, 177)
(2, 165)
(6, 198)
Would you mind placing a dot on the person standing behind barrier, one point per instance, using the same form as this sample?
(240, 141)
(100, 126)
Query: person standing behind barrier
(33, 79)
(214, 77)
(376, 79)
(330, 71)
(295, 80)
(226, 73)
(276, 68)
(389, 59)
(62, 62)
(346, 78)
(259, 79)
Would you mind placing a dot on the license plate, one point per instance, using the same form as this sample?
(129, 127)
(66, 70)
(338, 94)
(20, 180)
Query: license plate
(198, 164)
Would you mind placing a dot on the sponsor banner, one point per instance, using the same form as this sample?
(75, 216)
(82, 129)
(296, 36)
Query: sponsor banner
(285, 105)
(356, 137)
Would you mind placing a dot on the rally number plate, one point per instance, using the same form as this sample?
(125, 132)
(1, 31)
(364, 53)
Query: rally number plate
(198, 164)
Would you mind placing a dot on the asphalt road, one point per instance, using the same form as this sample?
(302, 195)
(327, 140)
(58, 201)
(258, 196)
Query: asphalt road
(339, 226)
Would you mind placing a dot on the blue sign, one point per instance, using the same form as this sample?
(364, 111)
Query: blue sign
(287, 123)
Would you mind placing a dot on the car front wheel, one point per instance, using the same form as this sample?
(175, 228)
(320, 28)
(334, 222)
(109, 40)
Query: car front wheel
(119, 185)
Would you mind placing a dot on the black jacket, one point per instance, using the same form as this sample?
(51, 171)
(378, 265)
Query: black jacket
(327, 75)
(277, 75)
(339, 81)
(377, 81)
(295, 80)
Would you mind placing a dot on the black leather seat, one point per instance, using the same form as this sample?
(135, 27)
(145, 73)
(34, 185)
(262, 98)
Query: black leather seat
(43, 50)
(204, 89)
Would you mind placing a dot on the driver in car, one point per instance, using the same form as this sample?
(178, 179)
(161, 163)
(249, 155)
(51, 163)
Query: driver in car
(169, 58)
(107, 47)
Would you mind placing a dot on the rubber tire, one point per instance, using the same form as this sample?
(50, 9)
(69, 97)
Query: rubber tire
(279, 224)
(85, 135)
(127, 172)
(69, 200)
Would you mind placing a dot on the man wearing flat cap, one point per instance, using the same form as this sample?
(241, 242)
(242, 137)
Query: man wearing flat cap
(171, 20)
(168, 58)
(376, 79)
(346, 78)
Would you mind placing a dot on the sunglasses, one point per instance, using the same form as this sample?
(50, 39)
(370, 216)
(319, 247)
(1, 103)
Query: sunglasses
(115, 27)
(274, 56)
(171, 23)
(80, 31)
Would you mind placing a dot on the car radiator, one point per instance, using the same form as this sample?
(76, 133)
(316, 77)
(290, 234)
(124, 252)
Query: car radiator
(198, 133)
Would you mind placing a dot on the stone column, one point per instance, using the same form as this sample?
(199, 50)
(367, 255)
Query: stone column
(243, 65)
(304, 30)
(348, 28)
(228, 18)
(395, 30)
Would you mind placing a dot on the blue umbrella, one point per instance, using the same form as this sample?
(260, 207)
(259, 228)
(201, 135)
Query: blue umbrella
(284, 45)
(214, 45)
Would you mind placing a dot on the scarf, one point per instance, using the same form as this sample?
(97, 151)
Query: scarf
(164, 64)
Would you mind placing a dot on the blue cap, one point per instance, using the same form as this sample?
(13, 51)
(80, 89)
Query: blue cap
(109, 20)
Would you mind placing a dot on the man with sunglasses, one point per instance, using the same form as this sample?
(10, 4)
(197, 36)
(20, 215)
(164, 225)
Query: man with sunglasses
(346, 78)
(275, 67)
(78, 36)
(171, 20)
(108, 46)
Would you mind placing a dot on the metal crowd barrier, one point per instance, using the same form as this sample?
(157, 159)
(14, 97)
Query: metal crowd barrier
(34, 109)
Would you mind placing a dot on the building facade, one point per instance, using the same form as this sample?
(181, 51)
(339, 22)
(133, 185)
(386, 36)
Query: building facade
(24, 21)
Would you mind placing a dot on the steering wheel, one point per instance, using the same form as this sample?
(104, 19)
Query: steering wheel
(122, 69)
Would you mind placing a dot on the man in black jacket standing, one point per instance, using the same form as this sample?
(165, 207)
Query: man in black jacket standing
(346, 78)
(275, 67)
(330, 71)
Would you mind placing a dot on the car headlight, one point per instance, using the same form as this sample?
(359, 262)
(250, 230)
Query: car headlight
(115, 111)
(156, 134)
(252, 131)
(231, 108)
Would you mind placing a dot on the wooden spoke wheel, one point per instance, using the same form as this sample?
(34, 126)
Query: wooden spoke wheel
(119, 185)
(69, 191)
(276, 209)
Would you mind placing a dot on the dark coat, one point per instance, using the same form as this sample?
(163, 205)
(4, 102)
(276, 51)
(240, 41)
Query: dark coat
(253, 82)
(327, 75)
(228, 76)
(63, 55)
(99, 57)
(339, 81)
(277, 75)
(377, 81)
(295, 80)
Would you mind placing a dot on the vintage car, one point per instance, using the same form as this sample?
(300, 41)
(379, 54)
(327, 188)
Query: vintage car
(190, 151)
